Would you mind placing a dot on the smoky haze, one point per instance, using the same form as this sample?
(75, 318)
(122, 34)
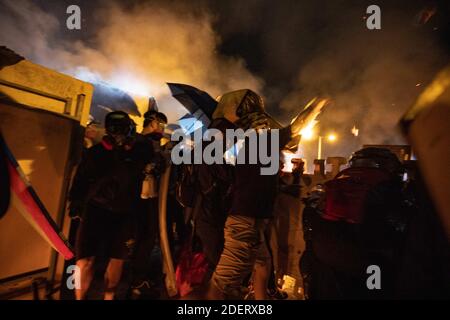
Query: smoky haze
(371, 76)
(289, 51)
(311, 48)
(137, 48)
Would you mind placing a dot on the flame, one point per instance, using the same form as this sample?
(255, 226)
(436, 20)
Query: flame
(355, 131)
(309, 117)
(307, 132)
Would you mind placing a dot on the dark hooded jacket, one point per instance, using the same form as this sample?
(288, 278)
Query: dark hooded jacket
(253, 194)
(110, 177)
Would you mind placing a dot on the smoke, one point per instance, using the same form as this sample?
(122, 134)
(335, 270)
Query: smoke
(300, 48)
(137, 48)
(324, 48)
(372, 77)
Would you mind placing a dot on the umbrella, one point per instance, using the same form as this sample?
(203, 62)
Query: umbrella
(193, 99)
(192, 122)
(107, 98)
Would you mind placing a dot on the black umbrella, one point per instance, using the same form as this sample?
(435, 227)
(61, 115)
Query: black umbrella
(107, 98)
(193, 99)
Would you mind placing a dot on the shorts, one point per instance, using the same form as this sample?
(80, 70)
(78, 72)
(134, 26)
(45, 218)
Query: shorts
(107, 234)
(244, 247)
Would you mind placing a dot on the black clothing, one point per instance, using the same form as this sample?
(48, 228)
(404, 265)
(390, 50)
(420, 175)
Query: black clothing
(106, 193)
(253, 193)
(212, 203)
(147, 232)
(110, 178)
(103, 233)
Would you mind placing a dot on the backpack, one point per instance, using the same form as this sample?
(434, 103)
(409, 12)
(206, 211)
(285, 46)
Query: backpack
(348, 193)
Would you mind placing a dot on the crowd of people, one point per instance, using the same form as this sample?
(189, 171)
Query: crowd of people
(369, 214)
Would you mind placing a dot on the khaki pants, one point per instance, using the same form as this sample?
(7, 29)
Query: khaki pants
(244, 246)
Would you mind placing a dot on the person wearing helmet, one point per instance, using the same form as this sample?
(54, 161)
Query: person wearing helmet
(251, 203)
(142, 273)
(104, 196)
(358, 220)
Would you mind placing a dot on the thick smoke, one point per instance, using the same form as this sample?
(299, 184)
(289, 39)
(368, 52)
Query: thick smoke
(311, 48)
(300, 48)
(371, 76)
(137, 48)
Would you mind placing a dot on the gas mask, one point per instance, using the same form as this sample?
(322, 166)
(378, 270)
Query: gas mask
(120, 128)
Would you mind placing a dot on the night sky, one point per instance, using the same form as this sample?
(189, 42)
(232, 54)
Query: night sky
(301, 49)
(277, 38)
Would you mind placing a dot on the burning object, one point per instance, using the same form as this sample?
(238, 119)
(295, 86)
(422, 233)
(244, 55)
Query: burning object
(306, 120)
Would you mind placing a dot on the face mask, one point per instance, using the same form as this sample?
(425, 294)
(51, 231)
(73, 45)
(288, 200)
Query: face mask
(119, 140)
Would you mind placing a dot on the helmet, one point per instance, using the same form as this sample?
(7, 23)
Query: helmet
(120, 126)
(376, 158)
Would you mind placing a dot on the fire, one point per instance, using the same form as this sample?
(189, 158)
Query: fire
(355, 131)
(309, 117)
(307, 132)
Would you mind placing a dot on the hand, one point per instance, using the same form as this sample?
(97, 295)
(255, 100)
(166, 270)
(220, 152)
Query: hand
(254, 120)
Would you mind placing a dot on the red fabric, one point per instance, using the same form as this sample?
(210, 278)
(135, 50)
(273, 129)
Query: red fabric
(20, 189)
(346, 194)
(107, 145)
(190, 271)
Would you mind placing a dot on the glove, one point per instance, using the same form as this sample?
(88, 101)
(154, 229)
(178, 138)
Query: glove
(254, 120)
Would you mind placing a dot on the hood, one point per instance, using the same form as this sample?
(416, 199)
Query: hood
(235, 104)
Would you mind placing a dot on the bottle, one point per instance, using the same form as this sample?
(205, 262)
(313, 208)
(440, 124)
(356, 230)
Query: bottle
(149, 185)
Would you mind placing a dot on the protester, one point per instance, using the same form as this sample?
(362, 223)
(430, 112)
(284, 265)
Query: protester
(357, 221)
(104, 195)
(147, 231)
(251, 205)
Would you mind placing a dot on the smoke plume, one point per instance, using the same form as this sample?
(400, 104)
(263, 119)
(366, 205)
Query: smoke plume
(311, 48)
(137, 48)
